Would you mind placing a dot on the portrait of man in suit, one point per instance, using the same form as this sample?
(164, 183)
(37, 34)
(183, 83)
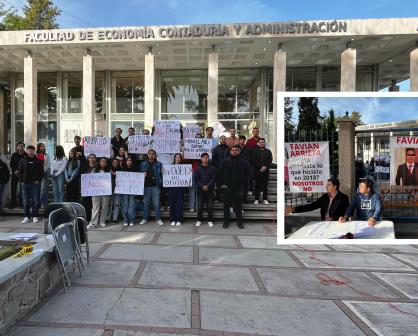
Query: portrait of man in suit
(407, 173)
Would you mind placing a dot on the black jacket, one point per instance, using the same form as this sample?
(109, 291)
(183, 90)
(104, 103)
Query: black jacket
(245, 154)
(116, 144)
(338, 207)
(233, 173)
(205, 176)
(261, 158)
(404, 177)
(31, 170)
(219, 154)
(15, 159)
(4, 173)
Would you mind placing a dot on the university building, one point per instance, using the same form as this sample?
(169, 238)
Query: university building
(56, 84)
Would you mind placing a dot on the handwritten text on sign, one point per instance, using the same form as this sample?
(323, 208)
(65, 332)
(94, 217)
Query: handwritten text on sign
(129, 183)
(308, 166)
(191, 131)
(99, 146)
(193, 148)
(139, 144)
(99, 184)
(167, 129)
(167, 146)
(177, 175)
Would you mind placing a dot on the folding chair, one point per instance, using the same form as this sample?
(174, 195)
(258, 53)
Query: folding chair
(82, 227)
(61, 224)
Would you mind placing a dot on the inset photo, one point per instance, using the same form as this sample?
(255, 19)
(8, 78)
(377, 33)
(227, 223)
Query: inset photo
(350, 167)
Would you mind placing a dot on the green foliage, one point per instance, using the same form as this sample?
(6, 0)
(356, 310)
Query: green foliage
(309, 115)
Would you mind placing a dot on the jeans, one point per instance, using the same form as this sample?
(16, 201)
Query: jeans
(176, 201)
(44, 189)
(30, 192)
(1, 195)
(115, 204)
(192, 195)
(58, 187)
(204, 197)
(128, 207)
(233, 198)
(152, 194)
(13, 188)
(261, 183)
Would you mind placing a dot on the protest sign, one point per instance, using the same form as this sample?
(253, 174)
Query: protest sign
(139, 144)
(177, 175)
(99, 146)
(167, 129)
(308, 165)
(218, 129)
(191, 131)
(404, 160)
(193, 148)
(129, 183)
(99, 184)
(165, 145)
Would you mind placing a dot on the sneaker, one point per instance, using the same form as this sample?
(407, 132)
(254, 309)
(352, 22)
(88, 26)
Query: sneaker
(25, 220)
(249, 193)
(210, 224)
(160, 222)
(178, 224)
(173, 223)
(131, 224)
(144, 221)
(91, 226)
(256, 202)
(102, 224)
(125, 224)
(35, 219)
(266, 202)
(191, 210)
(198, 223)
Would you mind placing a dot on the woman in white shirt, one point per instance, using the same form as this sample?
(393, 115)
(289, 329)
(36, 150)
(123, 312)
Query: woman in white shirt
(57, 173)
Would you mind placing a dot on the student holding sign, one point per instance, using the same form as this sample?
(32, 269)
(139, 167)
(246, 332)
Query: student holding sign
(88, 168)
(115, 199)
(176, 198)
(128, 200)
(100, 203)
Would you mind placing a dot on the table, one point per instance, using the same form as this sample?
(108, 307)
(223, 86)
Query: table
(333, 229)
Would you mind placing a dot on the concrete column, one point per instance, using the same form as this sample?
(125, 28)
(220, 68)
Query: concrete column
(348, 70)
(346, 155)
(279, 85)
(413, 70)
(213, 79)
(371, 145)
(88, 106)
(149, 114)
(3, 124)
(30, 104)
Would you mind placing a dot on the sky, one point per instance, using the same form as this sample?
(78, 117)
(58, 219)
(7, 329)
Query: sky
(373, 110)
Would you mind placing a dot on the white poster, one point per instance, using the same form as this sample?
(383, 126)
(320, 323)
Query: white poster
(99, 184)
(193, 148)
(191, 131)
(99, 146)
(308, 165)
(404, 161)
(139, 144)
(167, 129)
(218, 129)
(177, 175)
(129, 183)
(167, 146)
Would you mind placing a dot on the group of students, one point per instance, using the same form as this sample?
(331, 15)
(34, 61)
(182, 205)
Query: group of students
(236, 169)
(335, 205)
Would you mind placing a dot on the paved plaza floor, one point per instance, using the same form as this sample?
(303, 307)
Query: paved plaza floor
(152, 280)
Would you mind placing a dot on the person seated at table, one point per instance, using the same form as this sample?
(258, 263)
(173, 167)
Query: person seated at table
(333, 204)
(367, 202)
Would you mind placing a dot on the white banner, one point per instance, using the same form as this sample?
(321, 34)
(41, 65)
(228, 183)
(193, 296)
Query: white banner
(129, 183)
(99, 146)
(218, 129)
(404, 160)
(193, 148)
(167, 129)
(191, 131)
(139, 144)
(177, 176)
(99, 184)
(308, 166)
(167, 146)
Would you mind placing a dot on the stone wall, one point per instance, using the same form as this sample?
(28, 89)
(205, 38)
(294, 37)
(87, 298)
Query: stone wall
(25, 290)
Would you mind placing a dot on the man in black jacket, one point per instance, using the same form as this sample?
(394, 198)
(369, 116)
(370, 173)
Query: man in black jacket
(234, 174)
(79, 149)
(14, 166)
(407, 173)
(261, 160)
(4, 178)
(333, 204)
(117, 142)
(205, 176)
(30, 172)
(219, 154)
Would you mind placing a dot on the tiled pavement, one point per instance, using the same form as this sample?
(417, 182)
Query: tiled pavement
(150, 280)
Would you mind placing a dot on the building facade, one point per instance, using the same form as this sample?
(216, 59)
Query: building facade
(59, 83)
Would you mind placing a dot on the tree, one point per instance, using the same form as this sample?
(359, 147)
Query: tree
(4, 11)
(309, 115)
(288, 111)
(37, 15)
(355, 116)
